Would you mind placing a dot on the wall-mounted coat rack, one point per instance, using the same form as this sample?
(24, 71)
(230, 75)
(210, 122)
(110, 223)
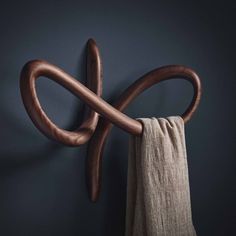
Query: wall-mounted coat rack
(101, 115)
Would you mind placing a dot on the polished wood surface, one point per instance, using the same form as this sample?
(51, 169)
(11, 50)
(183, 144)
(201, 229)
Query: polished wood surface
(96, 144)
(36, 68)
(98, 107)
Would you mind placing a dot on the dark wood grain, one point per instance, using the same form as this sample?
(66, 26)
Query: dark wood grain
(36, 68)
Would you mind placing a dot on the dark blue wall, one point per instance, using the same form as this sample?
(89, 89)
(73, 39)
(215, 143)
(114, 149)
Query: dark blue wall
(42, 184)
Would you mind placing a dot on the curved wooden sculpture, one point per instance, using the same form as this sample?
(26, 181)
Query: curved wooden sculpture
(95, 128)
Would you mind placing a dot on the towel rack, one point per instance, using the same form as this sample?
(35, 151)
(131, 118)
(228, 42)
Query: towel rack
(101, 115)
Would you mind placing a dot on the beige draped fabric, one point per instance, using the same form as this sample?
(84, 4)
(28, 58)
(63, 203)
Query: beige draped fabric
(158, 196)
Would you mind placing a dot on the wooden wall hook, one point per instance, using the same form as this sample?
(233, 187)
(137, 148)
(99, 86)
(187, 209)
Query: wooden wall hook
(94, 127)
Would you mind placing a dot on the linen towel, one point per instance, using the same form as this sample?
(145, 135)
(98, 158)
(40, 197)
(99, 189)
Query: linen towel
(158, 196)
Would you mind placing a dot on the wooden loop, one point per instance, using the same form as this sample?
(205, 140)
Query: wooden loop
(97, 142)
(33, 69)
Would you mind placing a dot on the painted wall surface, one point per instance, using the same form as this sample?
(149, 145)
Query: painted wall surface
(42, 184)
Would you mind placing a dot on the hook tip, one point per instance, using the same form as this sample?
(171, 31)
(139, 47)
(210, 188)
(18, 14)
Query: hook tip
(91, 42)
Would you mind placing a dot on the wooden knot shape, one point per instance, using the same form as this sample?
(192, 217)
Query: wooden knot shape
(101, 115)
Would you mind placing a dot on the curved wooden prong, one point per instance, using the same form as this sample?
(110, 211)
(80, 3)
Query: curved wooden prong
(97, 143)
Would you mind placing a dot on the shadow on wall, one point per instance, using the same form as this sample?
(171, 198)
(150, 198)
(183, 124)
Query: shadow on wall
(33, 176)
(49, 147)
